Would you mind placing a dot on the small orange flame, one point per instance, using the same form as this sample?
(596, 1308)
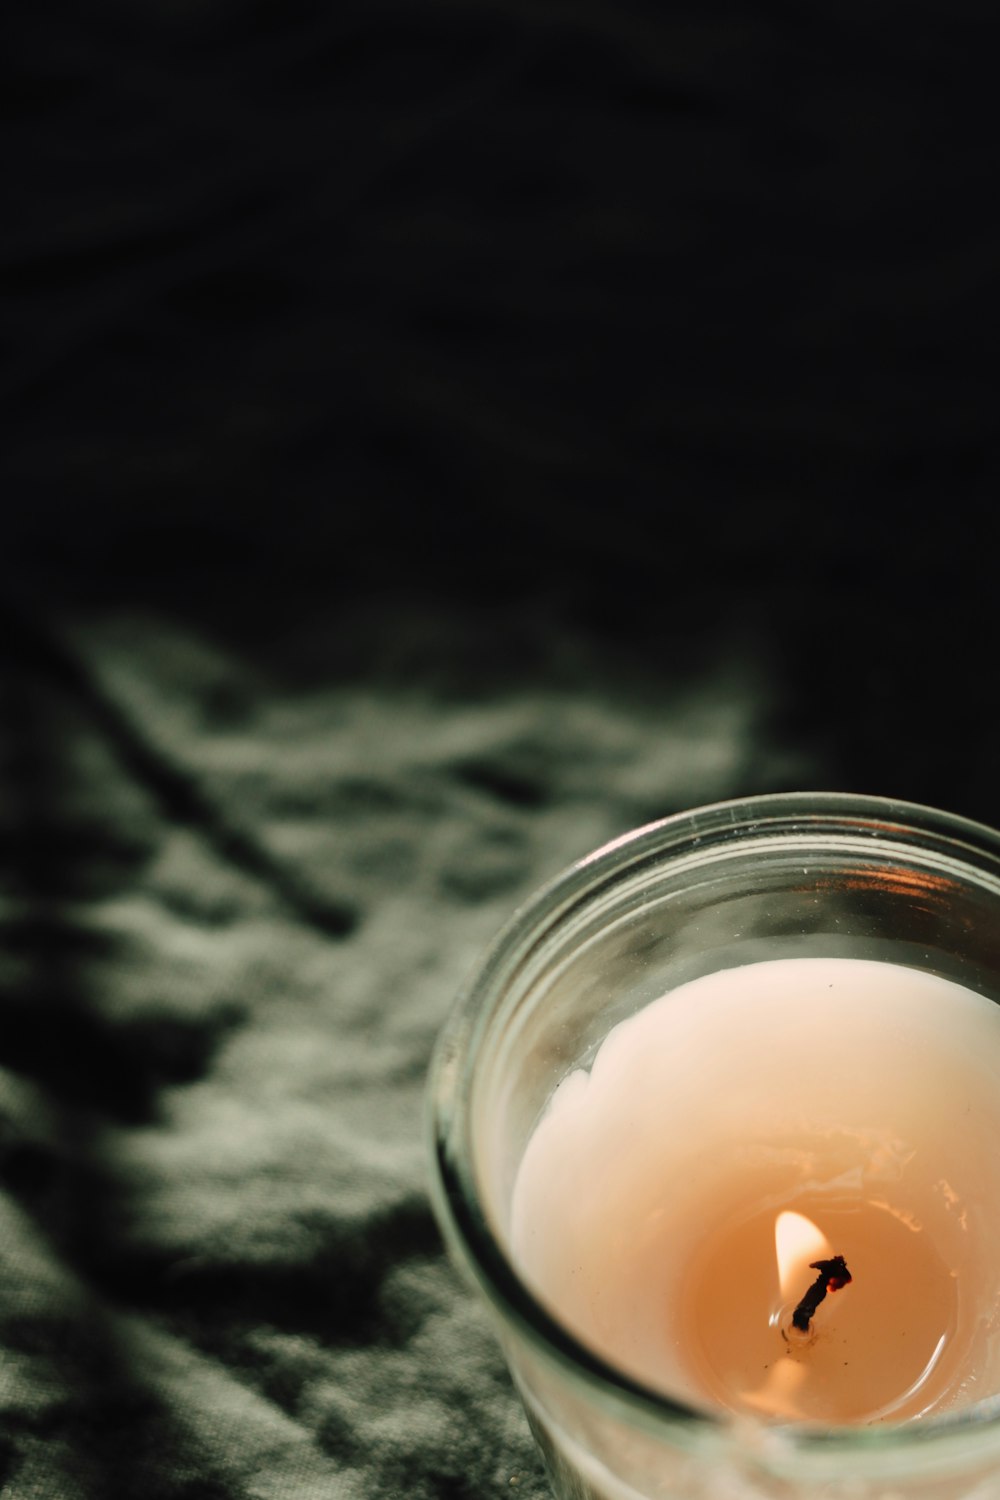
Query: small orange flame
(797, 1242)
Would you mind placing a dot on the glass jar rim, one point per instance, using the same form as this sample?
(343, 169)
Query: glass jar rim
(456, 1198)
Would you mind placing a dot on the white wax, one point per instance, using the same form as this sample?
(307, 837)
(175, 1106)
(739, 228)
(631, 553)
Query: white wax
(835, 1079)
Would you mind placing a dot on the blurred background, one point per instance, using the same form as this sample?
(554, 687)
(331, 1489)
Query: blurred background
(438, 438)
(678, 319)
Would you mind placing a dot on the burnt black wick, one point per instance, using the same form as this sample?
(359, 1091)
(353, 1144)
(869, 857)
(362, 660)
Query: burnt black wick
(833, 1274)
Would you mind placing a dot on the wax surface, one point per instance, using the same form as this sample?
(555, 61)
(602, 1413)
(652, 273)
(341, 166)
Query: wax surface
(864, 1095)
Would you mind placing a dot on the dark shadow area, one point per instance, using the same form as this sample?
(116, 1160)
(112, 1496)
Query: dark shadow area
(671, 319)
(337, 1299)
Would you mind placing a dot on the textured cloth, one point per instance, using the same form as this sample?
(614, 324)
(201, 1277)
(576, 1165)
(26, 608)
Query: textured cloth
(240, 907)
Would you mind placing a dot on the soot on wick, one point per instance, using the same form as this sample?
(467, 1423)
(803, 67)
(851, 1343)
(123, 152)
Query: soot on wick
(833, 1274)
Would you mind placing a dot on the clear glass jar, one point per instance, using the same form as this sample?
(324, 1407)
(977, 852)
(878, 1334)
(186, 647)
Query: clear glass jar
(815, 875)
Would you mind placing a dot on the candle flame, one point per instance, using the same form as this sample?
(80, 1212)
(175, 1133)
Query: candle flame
(797, 1242)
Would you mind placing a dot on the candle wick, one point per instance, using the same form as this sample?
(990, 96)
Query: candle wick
(833, 1274)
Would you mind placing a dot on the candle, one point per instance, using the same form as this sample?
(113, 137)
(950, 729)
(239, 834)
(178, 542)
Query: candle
(715, 1131)
(674, 1201)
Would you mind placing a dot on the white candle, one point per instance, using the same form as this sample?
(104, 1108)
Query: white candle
(862, 1097)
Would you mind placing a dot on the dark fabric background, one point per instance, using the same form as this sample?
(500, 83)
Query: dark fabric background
(437, 438)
